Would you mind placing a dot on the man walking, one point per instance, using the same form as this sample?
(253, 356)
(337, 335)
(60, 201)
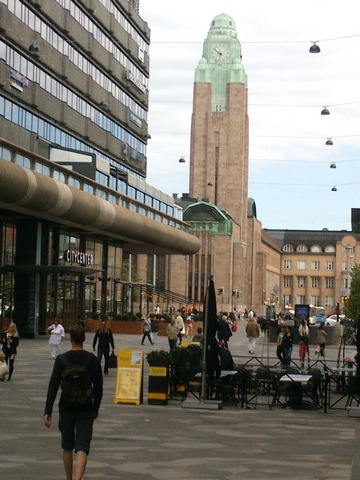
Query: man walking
(79, 374)
(105, 339)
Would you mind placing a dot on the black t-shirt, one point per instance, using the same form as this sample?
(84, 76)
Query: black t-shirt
(93, 367)
(104, 338)
(287, 340)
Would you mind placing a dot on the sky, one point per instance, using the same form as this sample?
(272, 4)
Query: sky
(290, 177)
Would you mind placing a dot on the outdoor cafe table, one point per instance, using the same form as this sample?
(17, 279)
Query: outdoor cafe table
(296, 380)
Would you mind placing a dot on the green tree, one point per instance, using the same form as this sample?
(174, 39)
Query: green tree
(352, 309)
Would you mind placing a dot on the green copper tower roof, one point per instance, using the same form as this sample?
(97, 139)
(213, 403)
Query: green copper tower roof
(223, 25)
(221, 60)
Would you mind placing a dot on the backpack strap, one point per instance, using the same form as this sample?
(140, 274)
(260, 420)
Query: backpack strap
(66, 362)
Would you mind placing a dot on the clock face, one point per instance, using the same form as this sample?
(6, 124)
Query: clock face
(220, 53)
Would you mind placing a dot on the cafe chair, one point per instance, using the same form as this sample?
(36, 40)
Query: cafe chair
(261, 388)
(313, 388)
(227, 388)
(353, 392)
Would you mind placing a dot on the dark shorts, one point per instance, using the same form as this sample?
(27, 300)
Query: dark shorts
(76, 430)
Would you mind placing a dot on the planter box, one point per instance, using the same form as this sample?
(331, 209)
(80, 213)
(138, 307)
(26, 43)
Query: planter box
(158, 385)
(126, 328)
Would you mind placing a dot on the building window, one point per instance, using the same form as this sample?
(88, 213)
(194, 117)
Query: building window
(301, 282)
(329, 249)
(287, 300)
(43, 169)
(348, 249)
(300, 299)
(330, 265)
(329, 301)
(316, 249)
(23, 161)
(287, 265)
(344, 266)
(315, 300)
(88, 188)
(301, 265)
(315, 282)
(59, 176)
(302, 248)
(74, 182)
(329, 282)
(100, 193)
(345, 282)
(315, 265)
(288, 248)
(5, 154)
(287, 281)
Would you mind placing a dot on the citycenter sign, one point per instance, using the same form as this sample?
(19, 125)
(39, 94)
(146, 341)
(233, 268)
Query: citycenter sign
(75, 256)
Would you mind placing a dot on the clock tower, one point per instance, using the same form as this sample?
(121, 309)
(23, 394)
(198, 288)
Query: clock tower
(219, 129)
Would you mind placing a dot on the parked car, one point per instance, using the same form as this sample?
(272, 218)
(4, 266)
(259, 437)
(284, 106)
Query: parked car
(332, 320)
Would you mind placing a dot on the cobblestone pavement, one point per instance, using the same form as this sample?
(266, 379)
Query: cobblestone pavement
(160, 442)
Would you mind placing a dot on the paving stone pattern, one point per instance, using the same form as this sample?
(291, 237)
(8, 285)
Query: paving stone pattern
(168, 442)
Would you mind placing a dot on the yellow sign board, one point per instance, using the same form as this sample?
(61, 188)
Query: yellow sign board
(129, 377)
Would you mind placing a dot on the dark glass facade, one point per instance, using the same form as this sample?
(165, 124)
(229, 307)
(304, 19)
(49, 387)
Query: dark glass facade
(73, 136)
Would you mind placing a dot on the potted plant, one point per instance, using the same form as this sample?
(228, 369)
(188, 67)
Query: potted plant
(159, 358)
(186, 364)
(188, 357)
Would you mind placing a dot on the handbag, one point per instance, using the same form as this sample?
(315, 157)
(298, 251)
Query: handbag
(112, 362)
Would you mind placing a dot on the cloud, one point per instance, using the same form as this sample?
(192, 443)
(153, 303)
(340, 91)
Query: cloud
(287, 88)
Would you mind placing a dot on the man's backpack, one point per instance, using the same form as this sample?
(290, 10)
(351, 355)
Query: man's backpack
(76, 384)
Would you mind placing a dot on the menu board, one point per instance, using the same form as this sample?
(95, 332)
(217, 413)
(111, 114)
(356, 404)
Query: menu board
(129, 377)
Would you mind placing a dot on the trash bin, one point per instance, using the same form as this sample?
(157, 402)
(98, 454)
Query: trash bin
(158, 385)
(273, 332)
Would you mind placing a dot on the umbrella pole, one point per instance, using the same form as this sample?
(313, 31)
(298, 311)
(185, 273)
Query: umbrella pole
(205, 345)
(203, 402)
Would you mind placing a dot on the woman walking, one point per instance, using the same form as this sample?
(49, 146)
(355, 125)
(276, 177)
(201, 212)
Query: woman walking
(10, 341)
(146, 330)
(304, 335)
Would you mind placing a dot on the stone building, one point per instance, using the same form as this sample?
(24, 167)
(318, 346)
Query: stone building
(316, 266)
(241, 258)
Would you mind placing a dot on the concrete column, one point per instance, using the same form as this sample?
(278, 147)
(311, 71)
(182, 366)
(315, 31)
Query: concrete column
(307, 289)
(322, 291)
(293, 290)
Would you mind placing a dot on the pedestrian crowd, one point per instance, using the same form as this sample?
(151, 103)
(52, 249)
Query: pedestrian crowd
(78, 373)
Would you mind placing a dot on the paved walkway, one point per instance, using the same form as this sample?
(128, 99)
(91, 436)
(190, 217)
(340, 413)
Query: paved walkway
(168, 442)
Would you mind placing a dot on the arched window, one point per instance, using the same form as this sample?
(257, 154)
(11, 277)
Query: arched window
(316, 249)
(330, 249)
(302, 248)
(288, 248)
